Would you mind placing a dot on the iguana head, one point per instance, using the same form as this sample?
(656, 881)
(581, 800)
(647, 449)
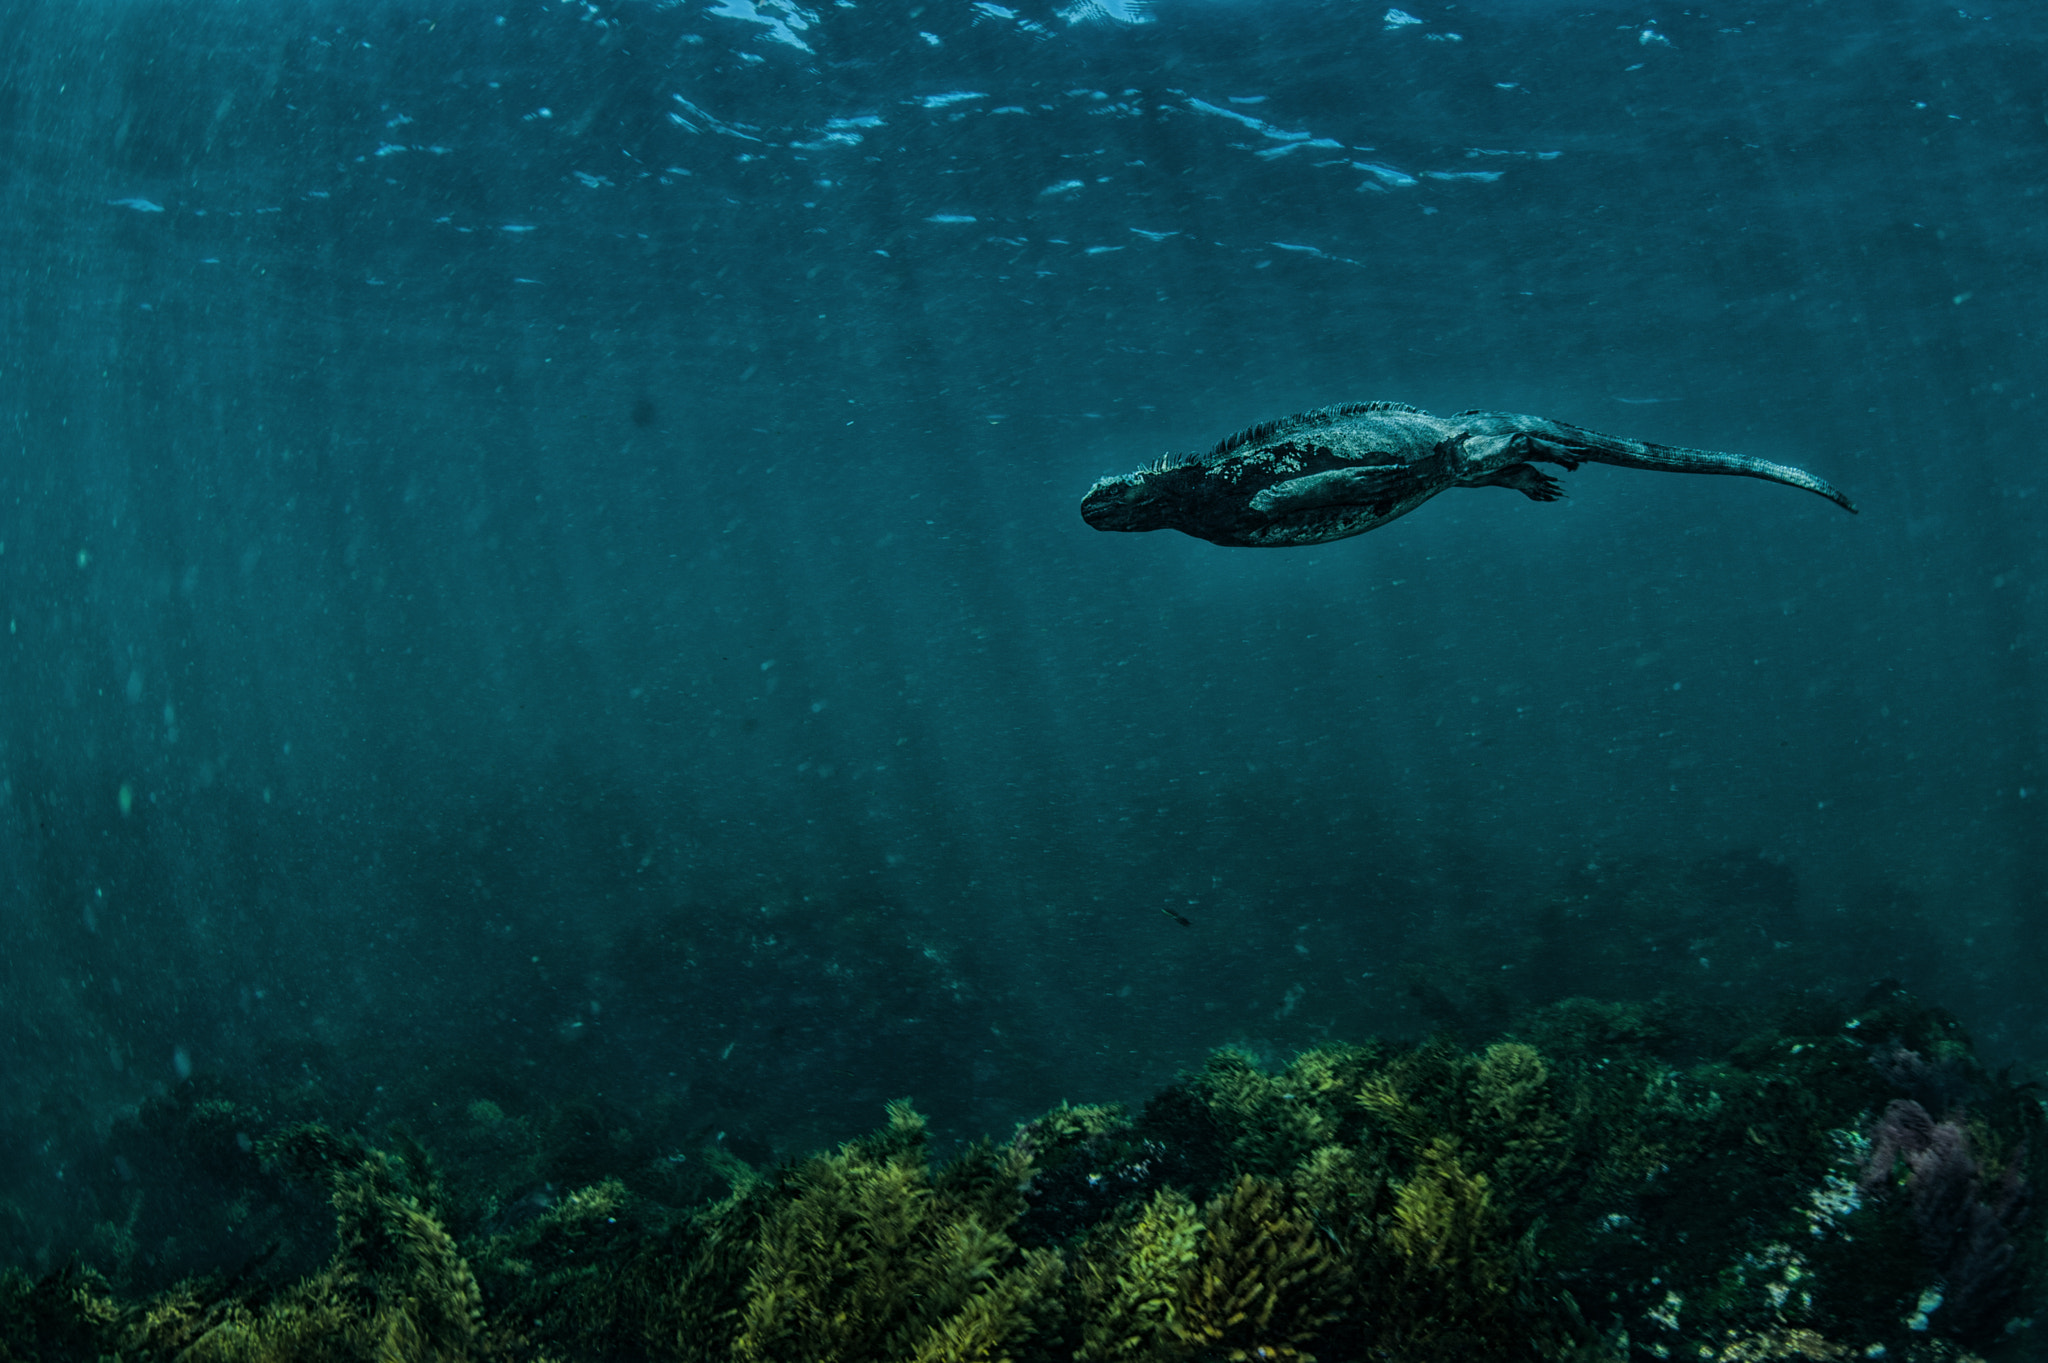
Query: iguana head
(1146, 500)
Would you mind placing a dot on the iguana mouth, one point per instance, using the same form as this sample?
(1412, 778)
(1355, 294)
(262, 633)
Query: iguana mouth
(1126, 502)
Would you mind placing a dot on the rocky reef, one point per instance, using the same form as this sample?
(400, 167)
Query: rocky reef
(1592, 1184)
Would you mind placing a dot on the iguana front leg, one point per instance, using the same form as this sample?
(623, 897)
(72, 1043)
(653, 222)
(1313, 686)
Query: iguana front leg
(1359, 485)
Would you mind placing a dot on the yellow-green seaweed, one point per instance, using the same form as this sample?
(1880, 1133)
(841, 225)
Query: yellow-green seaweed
(1131, 1286)
(1265, 1283)
(1571, 1192)
(861, 1257)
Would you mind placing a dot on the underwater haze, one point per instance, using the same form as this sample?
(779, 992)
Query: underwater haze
(541, 554)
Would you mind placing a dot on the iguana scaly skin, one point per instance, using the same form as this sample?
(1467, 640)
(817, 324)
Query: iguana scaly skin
(1341, 471)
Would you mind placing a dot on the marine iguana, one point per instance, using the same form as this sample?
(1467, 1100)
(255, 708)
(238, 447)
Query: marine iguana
(1341, 471)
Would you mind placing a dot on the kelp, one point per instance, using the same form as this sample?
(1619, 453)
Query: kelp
(1580, 1189)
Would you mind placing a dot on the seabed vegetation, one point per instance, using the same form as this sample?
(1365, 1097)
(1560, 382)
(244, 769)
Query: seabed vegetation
(1589, 1185)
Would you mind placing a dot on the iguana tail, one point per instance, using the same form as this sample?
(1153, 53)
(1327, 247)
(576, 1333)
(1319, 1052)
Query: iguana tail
(1560, 442)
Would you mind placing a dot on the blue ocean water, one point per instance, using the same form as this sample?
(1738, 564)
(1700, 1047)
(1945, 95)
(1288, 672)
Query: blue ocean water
(541, 555)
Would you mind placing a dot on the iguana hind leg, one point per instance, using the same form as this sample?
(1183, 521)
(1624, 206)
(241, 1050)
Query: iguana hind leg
(1549, 451)
(1466, 453)
(1526, 479)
